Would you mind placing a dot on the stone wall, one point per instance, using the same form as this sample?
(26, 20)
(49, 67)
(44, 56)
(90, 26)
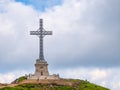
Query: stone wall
(54, 76)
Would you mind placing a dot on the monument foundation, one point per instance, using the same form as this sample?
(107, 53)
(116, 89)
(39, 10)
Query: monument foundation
(41, 68)
(41, 71)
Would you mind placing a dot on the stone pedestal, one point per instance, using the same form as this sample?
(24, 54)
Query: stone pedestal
(41, 71)
(41, 68)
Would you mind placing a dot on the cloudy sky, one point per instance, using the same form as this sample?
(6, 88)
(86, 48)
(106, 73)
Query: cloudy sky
(85, 43)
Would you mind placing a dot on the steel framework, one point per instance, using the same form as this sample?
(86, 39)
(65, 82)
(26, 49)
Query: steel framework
(41, 33)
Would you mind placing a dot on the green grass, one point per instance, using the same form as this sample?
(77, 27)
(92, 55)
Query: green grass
(38, 87)
(80, 85)
(21, 79)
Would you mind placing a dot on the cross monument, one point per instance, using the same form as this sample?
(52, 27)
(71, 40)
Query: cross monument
(41, 66)
(41, 33)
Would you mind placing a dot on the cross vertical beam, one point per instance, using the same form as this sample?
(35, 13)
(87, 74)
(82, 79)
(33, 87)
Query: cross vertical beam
(41, 55)
(41, 33)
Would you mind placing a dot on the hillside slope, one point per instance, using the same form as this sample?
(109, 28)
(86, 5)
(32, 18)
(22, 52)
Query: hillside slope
(62, 84)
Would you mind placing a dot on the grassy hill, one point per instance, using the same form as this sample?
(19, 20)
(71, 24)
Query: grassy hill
(62, 84)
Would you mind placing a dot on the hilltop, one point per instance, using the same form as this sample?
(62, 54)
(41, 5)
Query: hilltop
(62, 84)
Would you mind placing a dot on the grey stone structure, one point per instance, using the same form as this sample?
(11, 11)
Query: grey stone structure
(41, 71)
(41, 66)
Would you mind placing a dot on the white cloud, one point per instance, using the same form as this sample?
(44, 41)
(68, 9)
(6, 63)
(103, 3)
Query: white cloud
(81, 33)
(9, 77)
(104, 77)
(116, 86)
(14, 32)
(98, 74)
(76, 31)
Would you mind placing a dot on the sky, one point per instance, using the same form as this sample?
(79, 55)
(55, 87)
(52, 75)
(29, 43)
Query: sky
(85, 42)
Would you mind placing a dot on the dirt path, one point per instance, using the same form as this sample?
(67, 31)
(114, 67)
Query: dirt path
(48, 82)
(8, 85)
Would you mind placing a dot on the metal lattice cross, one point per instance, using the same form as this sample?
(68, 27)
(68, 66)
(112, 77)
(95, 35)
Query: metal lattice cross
(41, 33)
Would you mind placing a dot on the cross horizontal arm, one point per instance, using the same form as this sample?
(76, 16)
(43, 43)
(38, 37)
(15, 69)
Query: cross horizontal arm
(40, 33)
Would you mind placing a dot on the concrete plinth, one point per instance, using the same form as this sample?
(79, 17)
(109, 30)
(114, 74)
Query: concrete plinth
(41, 71)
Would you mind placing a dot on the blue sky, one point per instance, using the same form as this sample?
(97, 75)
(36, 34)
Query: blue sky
(85, 40)
(41, 5)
